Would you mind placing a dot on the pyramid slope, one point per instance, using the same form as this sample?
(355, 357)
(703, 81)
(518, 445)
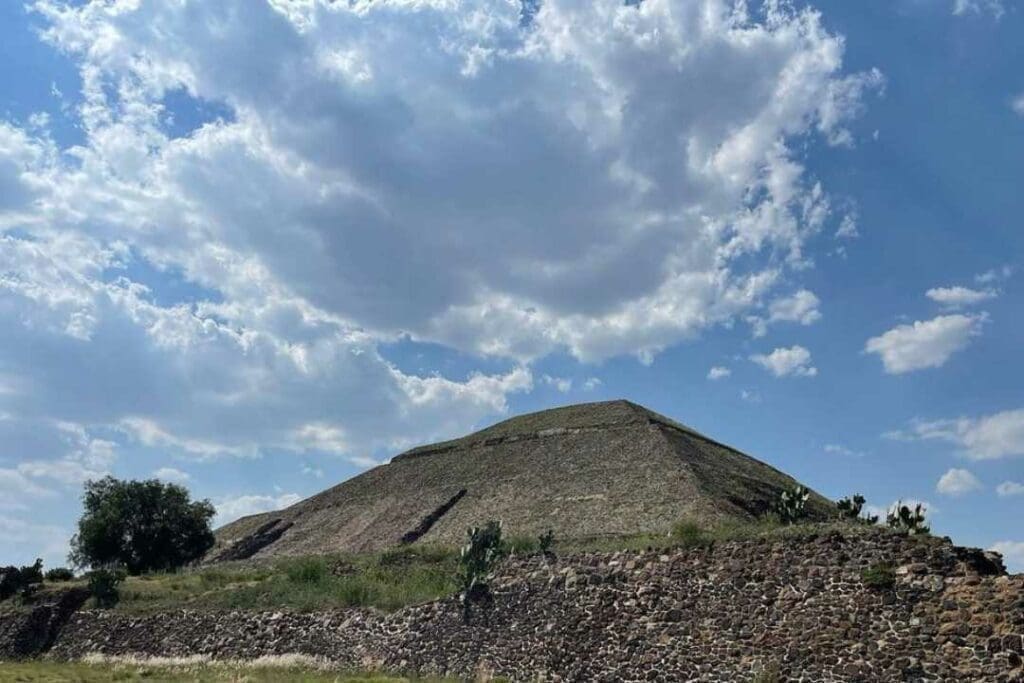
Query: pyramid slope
(590, 470)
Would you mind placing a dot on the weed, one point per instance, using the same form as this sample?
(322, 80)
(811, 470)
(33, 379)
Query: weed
(879, 576)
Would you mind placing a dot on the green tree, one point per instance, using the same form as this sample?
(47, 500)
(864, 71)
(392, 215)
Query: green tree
(141, 526)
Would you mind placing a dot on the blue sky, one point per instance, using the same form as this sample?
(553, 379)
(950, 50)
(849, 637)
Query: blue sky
(257, 247)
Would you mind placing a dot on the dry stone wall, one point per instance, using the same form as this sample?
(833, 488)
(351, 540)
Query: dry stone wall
(799, 607)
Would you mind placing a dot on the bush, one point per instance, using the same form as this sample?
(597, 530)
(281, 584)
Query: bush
(880, 576)
(104, 583)
(519, 545)
(546, 543)
(58, 574)
(792, 505)
(478, 558)
(850, 508)
(689, 534)
(911, 522)
(14, 580)
(141, 526)
(308, 570)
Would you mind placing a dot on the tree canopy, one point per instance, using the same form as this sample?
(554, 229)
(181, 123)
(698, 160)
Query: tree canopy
(141, 526)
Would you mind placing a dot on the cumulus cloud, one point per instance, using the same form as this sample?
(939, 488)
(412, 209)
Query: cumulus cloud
(718, 372)
(800, 307)
(994, 275)
(989, 437)
(958, 296)
(1013, 554)
(386, 170)
(425, 154)
(230, 509)
(1010, 488)
(172, 474)
(561, 384)
(925, 344)
(783, 362)
(957, 482)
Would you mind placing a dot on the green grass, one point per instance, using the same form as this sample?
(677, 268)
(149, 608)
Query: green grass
(880, 576)
(386, 581)
(197, 671)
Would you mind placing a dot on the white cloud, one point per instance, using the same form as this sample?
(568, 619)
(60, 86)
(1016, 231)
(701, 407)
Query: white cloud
(311, 471)
(925, 344)
(561, 384)
(989, 437)
(993, 7)
(800, 307)
(783, 362)
(230, 509)
(837, 449)
(375, 176)
(750, 396)
(172, 474)
(994, 275)
(957, 482)
(1018, 104)
(958, 296)
(1013, 554)
(592, 383)
(848, 227)
(718, 372)
(428, 151)
(1010, 488)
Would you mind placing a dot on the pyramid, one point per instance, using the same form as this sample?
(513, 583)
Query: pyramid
(585, 471)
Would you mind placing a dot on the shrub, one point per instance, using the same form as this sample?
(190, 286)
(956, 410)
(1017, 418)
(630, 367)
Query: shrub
(519, 545)
(308, 570)
(141, 526)
(58, 574)
(545, 543)
(850, 508)
(689, 534)
(911, 522)
(104, 583)
(792, 505)
(478, 558)
(14, 580)
(880, 576)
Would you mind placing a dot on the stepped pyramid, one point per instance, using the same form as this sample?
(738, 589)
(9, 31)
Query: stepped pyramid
(586, 471)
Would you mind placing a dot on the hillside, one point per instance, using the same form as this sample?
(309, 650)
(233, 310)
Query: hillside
(586, 471)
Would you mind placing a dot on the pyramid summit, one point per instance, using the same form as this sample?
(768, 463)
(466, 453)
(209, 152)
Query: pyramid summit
(585, 471)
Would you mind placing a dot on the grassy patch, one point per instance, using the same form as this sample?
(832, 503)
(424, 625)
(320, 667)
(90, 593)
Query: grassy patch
(193, 669)
(386, 581)
(688, 533)
(879, 576)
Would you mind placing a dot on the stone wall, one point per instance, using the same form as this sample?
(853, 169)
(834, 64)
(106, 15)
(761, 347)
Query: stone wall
(799, 606)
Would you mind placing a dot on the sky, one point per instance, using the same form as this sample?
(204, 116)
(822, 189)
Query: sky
(256, 247)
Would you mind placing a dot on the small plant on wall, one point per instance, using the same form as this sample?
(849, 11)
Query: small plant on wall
(479, 557)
